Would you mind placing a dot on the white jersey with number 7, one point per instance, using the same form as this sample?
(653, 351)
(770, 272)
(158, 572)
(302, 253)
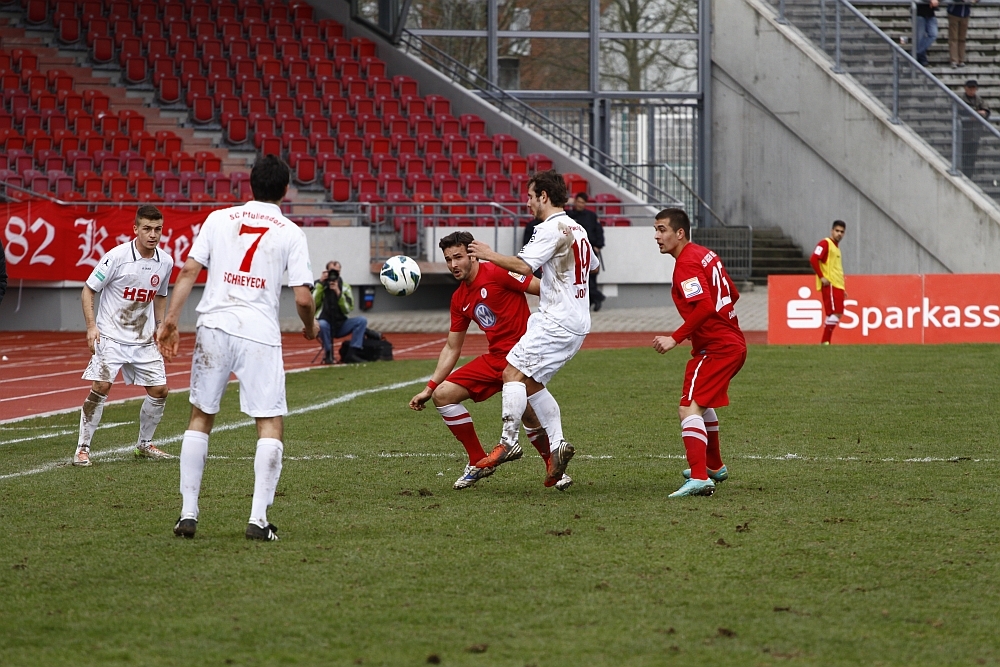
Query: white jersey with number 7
(246, 249)
(561, 248)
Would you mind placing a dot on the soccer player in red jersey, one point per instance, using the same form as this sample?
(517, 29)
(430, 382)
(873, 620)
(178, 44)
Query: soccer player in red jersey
(494, 298)
(704, 295)
(829, 268)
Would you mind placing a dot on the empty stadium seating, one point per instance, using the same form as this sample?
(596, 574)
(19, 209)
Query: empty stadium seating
(273, 79)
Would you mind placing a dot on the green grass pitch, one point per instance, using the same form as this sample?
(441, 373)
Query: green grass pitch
(859, 526)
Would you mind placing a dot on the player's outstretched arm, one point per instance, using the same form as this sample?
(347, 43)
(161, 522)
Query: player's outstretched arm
(167, 338)
(305, 305)
(449, 356)
(93, 334)
(482, 251)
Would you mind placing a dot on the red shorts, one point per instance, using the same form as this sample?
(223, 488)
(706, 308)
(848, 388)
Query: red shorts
(833, 300)
(482, 377)
(706, 379)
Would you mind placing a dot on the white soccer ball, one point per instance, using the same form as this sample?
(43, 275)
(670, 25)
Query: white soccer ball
(400, 275)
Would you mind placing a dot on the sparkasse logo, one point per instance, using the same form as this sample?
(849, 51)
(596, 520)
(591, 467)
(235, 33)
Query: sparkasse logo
(890, 309)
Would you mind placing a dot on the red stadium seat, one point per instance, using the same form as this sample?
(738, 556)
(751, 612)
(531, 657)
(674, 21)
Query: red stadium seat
(515, 164)
(103, 50)
(202, 109)
(575, 184)
(218, 183)
(472, 124)
(236, 128)
(539, 162)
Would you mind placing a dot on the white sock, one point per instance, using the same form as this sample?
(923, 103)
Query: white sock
(267, 470)
(194, 451)
(545, 406)
(515, 402)
(710, 417)
(90, 417)
(149, 418)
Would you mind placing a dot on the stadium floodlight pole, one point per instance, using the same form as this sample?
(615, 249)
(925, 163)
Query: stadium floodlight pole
(397, 32)
(956, 128)
(822, 25)
(895, 88)
(836, 66)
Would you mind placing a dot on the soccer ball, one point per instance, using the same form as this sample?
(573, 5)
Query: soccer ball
(400, 275)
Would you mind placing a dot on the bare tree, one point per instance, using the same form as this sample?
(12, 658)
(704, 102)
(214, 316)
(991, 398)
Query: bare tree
(648, 64)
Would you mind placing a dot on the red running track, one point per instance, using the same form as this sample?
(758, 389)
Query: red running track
(42, 372)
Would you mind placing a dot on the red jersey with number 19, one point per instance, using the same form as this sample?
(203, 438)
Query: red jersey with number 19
(495, 300)
(704, 295)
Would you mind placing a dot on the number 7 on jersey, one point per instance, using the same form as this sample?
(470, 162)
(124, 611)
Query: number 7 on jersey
(248, 257)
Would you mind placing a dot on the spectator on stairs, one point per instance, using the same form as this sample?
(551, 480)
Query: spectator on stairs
(971, 128)
(958, 26)
(927, 28)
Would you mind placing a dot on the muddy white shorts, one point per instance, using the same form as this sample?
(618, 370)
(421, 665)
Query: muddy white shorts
(258, 367)
(543, 349)
(140, 365)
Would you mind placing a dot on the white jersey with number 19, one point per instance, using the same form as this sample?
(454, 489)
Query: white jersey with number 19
(246, 249)
(561, 248)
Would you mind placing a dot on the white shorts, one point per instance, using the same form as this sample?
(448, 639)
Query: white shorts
(543, 349)
(140, 364)
(258, 367)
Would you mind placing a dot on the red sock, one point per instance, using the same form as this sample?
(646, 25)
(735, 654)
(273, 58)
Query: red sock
(539, 440)
(459, 421)
(695, 442)
(713, 456)
(828, 332)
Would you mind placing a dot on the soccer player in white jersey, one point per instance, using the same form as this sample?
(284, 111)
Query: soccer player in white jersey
(246, 249)
(132, 280)
(559, 247)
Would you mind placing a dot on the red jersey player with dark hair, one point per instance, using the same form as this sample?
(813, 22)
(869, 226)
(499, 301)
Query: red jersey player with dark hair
(704, 295)
(494, 298)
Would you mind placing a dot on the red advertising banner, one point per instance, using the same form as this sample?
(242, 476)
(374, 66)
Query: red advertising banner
(47, 241)
(933, 308)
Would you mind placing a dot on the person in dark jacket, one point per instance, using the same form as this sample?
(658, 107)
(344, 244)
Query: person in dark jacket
(333, 323)
(595, 234)
(971, 127)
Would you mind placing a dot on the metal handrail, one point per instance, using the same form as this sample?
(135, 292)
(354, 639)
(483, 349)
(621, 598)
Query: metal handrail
(527, 114)
(898, 52)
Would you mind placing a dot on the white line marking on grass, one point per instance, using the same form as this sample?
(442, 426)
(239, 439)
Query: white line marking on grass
(417, 347)
(57, 434)
(62, 391)
(227, 427)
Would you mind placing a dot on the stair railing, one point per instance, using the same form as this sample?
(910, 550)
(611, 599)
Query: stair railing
(897, 80)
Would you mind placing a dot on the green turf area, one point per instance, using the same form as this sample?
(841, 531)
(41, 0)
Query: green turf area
(831, 544)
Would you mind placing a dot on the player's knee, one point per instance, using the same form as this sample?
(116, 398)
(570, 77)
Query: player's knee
(103, 388)
(158, 392)
(439, 398)
(511, 374)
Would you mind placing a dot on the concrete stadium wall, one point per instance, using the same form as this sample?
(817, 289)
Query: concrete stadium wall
(797, 146)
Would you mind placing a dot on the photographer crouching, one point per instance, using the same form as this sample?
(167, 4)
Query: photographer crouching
(334, 301)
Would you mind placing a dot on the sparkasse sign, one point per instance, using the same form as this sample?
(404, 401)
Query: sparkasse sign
(932, 308)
